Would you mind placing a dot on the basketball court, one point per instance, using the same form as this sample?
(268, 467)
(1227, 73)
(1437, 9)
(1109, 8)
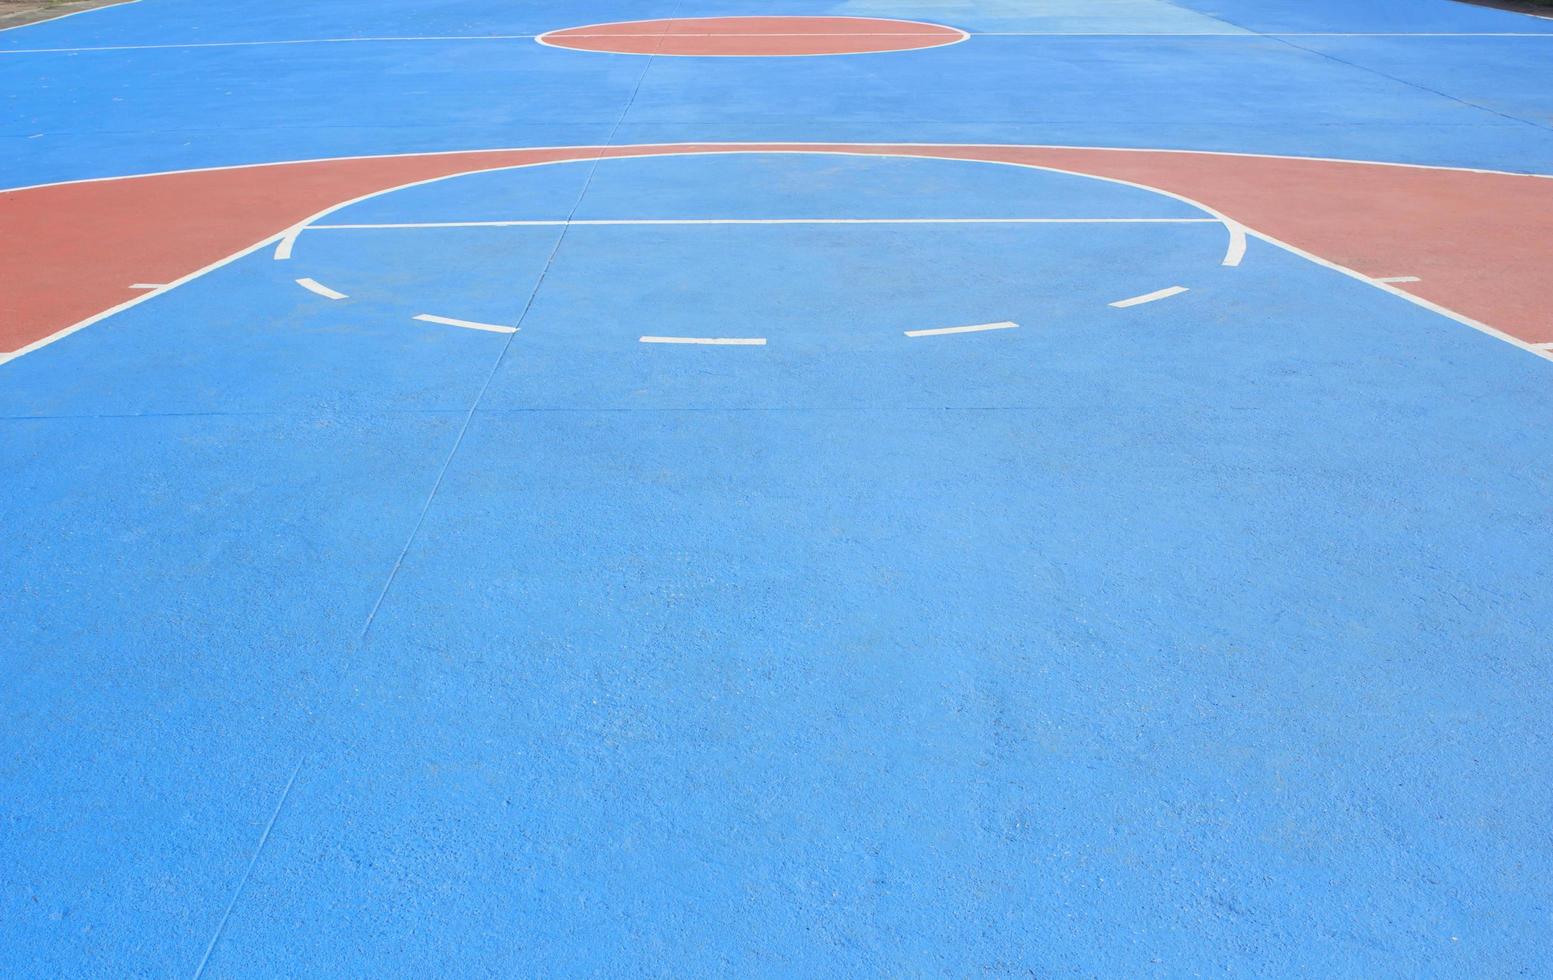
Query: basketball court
(965, 488)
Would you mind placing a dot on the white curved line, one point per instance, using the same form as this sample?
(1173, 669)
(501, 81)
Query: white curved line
(758, 147)
(1446, 312)
(1234, 252)
(1237, 243)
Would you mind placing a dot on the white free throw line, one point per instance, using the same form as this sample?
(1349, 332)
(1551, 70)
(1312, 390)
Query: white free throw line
(721, 341)
(973, 328)
(1150, 297)
(773, 221)
(1397, 279)
(313, 285)
(470, 324)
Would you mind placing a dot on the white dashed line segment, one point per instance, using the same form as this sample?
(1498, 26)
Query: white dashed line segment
(973, 328)
(1150, 297)
(313, 285)
(717, 341)
(467, 324)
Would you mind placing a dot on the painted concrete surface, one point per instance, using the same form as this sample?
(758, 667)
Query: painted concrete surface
(1201, 635)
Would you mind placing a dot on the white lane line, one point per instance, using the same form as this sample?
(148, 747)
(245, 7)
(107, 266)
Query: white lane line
(765, 221)
(1150, 297)
(719, 341)
(1397, 279)
(313, 285)
(1433, 307)
(95, 318)
(142, 285)
(470, 324)
(973, 328)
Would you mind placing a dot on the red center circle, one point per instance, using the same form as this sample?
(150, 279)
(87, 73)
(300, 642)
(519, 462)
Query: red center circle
(754, 36)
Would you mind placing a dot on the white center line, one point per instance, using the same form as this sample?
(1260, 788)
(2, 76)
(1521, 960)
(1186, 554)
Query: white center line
(973, 328)
(1150, 297)
(315, 286)
(469, 324)
(722, 341)
(1397, 279)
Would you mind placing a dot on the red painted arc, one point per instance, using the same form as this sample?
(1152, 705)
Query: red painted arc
(754, 36)
(1462, 233)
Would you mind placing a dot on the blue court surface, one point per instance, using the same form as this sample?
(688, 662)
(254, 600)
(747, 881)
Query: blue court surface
(620, 567)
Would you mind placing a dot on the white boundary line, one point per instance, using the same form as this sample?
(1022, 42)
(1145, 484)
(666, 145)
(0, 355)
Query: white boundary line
(763, 221)
(540, 38)
(136, 301)
(1157, 294)
(391, 39)
(1545, 353)
(468, 324)
(749, 147)
(973, 328)
(1397, 279)
(713, 341)
(314, 286)
(72, 13)
(1449, 314)
(1233, 254)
